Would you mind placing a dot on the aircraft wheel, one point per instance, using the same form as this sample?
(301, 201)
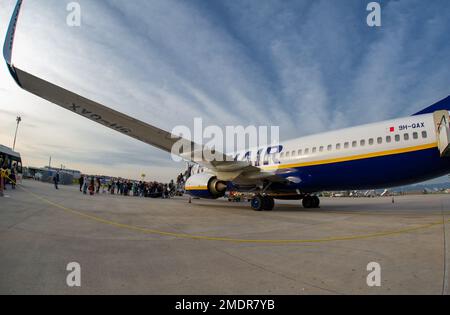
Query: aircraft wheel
(307, 202)
(316, 202)
(269, 203)
(257, 203)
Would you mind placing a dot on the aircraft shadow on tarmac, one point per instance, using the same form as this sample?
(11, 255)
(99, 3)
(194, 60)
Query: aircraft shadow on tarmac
(383, 208)
(244, 206)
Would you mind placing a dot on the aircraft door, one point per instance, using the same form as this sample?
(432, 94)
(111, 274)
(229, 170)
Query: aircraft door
(442, 123)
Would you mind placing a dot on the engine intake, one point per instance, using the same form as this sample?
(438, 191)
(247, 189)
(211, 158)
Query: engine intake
(206, 186)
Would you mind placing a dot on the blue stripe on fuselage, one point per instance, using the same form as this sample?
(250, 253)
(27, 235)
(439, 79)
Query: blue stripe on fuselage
(369, 173)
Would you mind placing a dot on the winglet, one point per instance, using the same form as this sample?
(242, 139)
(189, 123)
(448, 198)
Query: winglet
(9, 41)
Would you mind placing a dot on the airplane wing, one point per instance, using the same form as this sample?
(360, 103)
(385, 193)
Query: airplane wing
(96, 112)
(113, 119)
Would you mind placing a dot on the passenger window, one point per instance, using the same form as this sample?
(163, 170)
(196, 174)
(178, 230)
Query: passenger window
(397, 138)
(314, 150)
(371, 141)
(338, 146)
(346, 145)
(406, 136)
(293, 153)
(299, 152)
(321, 149)
(282, 155)
(388, 139)
(362, 143)
(354, 144)
(415, 135)
(379, 140)
(288, 154)
(306, 151)
(330, 147)
(424, 134)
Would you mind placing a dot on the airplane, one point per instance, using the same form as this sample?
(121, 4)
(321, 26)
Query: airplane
(372, 156)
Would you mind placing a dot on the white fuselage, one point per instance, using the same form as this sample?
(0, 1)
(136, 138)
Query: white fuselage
(378, 138)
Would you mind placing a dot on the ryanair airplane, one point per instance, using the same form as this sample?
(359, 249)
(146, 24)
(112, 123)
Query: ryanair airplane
(379, 155)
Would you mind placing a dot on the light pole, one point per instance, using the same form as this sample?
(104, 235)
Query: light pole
(18, 119)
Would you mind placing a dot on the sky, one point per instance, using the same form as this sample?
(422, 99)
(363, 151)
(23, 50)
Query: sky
(306, 66)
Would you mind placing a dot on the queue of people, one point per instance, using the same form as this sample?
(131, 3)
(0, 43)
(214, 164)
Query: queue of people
(117, 186)
(94, 184)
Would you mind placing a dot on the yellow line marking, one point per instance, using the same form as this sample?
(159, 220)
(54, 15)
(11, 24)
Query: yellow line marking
(354, 157)
(233, 240)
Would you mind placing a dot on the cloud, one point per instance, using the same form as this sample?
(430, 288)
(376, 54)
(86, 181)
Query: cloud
(306, 66)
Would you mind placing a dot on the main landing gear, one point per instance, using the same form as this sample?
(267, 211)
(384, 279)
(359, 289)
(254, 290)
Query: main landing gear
(264, 202)
(311, 202)
(260, 203)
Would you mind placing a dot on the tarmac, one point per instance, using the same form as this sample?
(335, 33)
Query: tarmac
(132, 245)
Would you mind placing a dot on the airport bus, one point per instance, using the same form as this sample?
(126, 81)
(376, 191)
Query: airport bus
(8, 158)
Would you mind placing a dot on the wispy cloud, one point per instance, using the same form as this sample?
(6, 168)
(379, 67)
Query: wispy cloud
(307, 66)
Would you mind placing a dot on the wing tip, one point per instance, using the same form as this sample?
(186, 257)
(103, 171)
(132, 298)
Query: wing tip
(9, 40)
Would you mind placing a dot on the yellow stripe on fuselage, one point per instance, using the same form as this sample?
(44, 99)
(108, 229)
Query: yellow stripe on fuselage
(197, 188)
(352, 158)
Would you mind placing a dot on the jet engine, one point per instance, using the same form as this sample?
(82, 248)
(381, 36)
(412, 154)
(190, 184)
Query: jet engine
(206, 186)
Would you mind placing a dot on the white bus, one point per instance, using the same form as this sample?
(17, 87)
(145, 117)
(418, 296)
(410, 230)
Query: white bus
(9, 158)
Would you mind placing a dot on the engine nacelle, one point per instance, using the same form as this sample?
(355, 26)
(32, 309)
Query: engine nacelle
(206, 186)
